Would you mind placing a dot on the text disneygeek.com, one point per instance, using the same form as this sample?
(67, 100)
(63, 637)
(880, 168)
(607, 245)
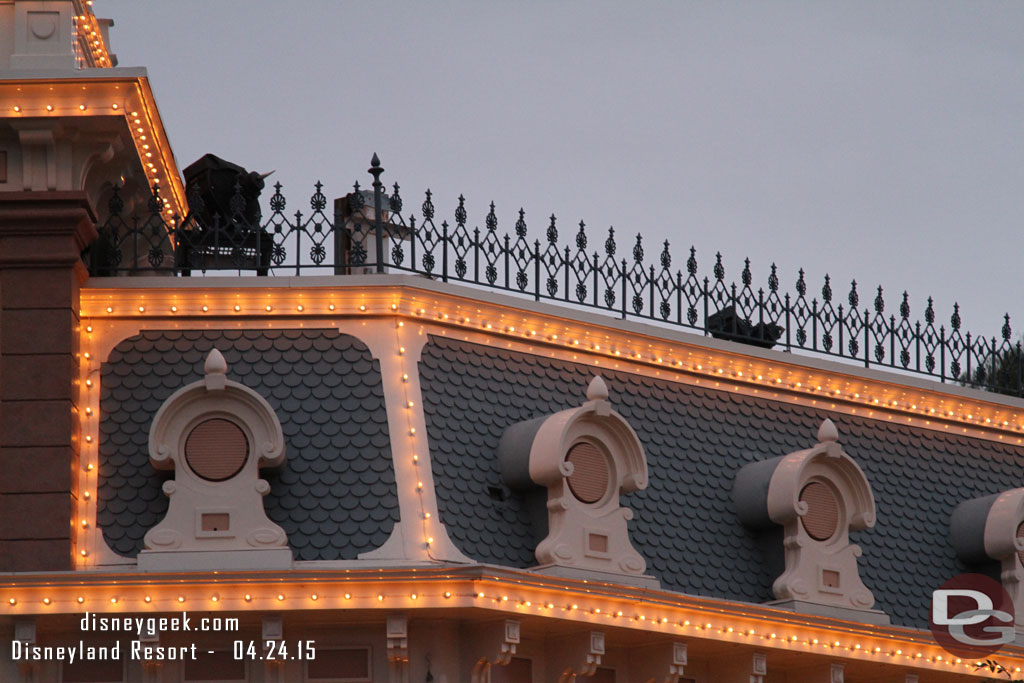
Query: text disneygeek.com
(141, 628)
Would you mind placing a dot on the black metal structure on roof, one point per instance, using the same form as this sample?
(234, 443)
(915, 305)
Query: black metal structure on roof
(367, 231)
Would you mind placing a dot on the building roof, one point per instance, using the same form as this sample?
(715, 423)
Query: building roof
(334, 496)
(696, 440)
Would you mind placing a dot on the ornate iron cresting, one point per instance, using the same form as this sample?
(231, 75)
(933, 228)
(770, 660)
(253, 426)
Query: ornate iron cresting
(368, 231)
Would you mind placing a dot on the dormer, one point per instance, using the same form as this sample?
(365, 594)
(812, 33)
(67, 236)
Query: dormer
(584, 458)
(215, 435)
(817, 496)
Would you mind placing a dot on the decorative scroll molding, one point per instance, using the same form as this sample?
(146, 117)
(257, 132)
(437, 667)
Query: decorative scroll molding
(398, 648)
(661, 663)
(577, 655)
(498, 641)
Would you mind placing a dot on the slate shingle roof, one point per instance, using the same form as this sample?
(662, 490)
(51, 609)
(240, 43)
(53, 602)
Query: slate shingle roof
(696, 440)
(334, 496)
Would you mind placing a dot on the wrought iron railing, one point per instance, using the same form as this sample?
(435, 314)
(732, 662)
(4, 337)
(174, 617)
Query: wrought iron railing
(367, 231)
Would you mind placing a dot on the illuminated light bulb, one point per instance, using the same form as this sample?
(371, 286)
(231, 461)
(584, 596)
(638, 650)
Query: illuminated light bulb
(413, 596)
(479, 595)
(280, 597)
(299, 308)
(314, 596)
(362, 308)
(348, 596)
(17, 108)
(269, 308)
(401, 324)
(80, 599)
(85, 523)
(401, 350)
(86, 355)
(419, 485)
(412, 431)
(110, 309)
(174, 309)
(750, 632)
(84, 553)
(248, 598)
(88, 439)
(405, 377)
(214, 598)
(113, 601)
(89, 467)
(380, 598)
(205, 309)
(237, 308)
(46, 601)
(415, 458)
(430, 540)
(138, 130)
(88, 411)
(410, 404)
(330, 307)
(86, 495)
(13, 601)
(573, 606)
(89, 329)
(420, 312)
(447, 594)
(113, 106)
(394, 307)
(181, 598)
(426, 515)
(488, 326)
(49, 107)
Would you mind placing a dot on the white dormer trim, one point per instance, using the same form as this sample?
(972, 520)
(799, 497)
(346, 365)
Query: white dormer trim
(242, 537)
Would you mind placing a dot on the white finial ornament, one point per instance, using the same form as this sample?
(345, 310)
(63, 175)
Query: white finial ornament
(598, 390)
(827, 432)
(215, 363)
(216, 370)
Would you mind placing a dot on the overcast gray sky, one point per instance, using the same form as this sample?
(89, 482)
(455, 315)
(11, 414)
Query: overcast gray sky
(881, 141)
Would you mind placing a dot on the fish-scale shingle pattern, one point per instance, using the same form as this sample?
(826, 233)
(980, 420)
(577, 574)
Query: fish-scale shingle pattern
(696, 440)
(334, 496)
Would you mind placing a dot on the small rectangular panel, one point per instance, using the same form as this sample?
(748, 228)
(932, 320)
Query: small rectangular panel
(343, 665)
(597, 543)
(829, 578)
(215, 521)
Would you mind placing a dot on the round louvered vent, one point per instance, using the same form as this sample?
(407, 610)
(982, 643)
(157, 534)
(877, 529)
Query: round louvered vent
(589, 478)
(1020, 534)
(822, 516)
(216, 449)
